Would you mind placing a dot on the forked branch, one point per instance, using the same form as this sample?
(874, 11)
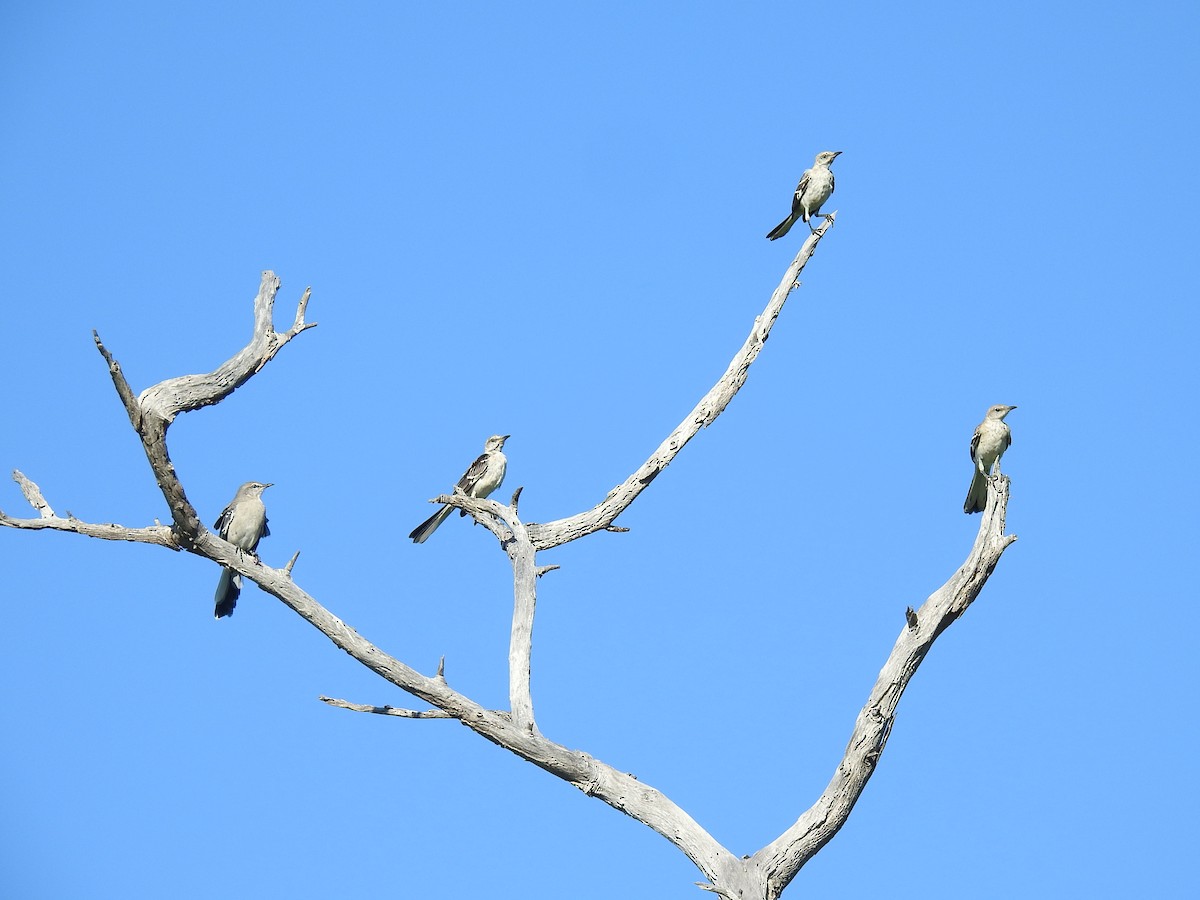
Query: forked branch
(152, 413)
(762, 876)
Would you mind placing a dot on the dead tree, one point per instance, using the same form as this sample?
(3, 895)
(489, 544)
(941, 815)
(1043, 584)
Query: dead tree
(762, 875)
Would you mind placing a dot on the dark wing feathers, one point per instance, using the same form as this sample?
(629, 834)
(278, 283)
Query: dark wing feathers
(473, 474)
(797, 205)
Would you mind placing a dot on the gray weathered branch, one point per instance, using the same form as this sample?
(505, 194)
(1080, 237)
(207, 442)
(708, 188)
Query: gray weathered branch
(387, 710)
(151, 413)
(162, 535)
(782, 859)
(711, 405)
(513, 535)
(762, 876)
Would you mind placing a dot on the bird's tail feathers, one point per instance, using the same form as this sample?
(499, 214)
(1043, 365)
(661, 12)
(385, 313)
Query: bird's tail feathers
(977, 495)
(228, 590)
(421, 533)
(781, 229)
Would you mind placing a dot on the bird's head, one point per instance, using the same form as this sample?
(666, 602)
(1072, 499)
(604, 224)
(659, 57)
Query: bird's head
(825, 157)
(253, 488)
(495, 442)
(999, 411)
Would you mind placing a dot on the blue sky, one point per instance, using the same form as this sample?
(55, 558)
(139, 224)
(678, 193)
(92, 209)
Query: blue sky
(547, 220)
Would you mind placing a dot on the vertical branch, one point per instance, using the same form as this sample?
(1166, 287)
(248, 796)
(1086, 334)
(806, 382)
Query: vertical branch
(520, 645)
(151, 428)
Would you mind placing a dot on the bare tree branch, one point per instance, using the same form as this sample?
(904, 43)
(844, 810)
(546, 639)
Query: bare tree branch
(514, 539)
(33, 494)
(762, 876)
(387, 710)
(784, 857)
(152, 413)
(189, 392)
(711, 405)
(162, 535)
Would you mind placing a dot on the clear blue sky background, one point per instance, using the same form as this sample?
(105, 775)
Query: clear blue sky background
(547, 220)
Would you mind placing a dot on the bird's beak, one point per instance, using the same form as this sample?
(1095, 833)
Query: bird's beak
(506, 437)
(265, 486)
(837, 152)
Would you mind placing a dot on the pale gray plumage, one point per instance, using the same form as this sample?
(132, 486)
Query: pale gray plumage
(815, 187)
(483, 477)
(992, 437)
(243, 523)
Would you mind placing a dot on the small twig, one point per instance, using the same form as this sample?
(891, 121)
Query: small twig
(388, 710)
(301, 308)
(33, 494)
(287, 570)
(542, 570)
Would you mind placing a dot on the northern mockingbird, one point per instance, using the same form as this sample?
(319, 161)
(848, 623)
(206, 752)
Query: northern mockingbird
(992, 438)
(243, 522)
(815, 187)
(481, 479)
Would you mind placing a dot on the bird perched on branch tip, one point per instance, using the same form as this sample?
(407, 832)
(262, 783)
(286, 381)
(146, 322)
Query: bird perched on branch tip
(483, 477)
(815, 187)
(243, 523)
(992, 437)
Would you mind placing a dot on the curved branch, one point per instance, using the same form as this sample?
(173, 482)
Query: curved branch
(152, 413)
(188, 392)
(711, 405)
(596, 779)
(784, 857)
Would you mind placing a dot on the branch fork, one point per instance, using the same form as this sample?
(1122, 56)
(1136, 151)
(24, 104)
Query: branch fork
(761, 876)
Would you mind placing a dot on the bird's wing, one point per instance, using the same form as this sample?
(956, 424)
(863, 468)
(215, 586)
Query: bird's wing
(801, 188)
(975, 442)
(472, 475)
(222, 523)
(1008, 439)
(266, 531)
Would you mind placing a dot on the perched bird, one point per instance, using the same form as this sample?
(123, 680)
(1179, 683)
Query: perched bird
(815, 187)
(243, 523)
(992, 438)
(484, 476)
